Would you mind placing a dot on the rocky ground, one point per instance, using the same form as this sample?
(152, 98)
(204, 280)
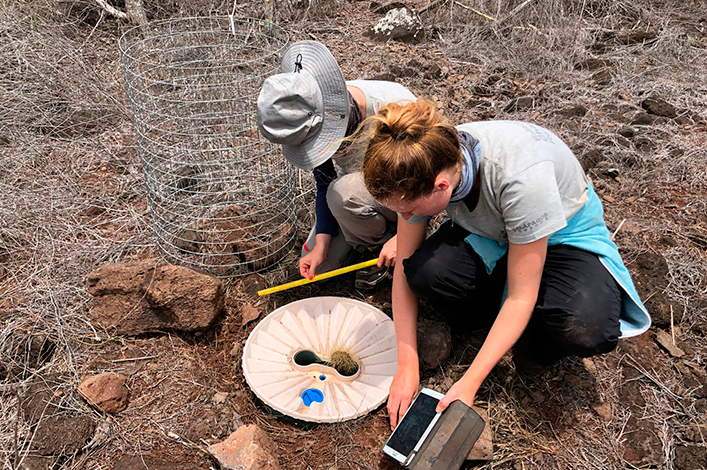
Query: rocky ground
(622, 82)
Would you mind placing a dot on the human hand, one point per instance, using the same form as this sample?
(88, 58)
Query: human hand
(388, 252)
(308, 263)
(461, 390)
(402, 391)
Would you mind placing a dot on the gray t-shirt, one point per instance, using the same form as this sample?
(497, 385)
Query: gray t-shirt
(378, 94)
(531, 183)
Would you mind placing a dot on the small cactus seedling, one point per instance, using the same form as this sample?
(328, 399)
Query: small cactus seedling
(343, 362)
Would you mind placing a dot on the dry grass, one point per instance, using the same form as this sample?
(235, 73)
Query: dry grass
(73, 198)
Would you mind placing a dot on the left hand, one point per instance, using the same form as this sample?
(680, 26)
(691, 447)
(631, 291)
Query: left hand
(461, 390)
(388, 252)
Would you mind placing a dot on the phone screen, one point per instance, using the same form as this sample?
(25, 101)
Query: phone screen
(414, 424)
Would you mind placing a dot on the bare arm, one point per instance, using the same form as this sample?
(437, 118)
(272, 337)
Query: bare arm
(407, 378)
(525, 267)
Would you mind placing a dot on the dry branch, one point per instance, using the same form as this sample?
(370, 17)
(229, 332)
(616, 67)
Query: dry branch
(135, 11)
(111, 10)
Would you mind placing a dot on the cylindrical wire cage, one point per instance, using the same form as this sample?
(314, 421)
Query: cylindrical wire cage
(222, 198)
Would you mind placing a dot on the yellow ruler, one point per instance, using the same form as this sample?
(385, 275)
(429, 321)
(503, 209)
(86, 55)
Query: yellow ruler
(318, 277)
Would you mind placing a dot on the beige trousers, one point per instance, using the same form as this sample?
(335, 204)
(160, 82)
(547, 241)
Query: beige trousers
(363, 221)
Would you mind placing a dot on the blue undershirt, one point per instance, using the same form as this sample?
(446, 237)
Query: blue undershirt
(324, 174)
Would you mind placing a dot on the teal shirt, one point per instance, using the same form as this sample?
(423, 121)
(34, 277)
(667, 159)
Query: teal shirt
(587, 231)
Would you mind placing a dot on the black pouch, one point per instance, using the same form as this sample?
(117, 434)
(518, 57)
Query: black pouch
(450, 440)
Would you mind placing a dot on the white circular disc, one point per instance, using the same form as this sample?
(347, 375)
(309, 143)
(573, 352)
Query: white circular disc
(321, 325)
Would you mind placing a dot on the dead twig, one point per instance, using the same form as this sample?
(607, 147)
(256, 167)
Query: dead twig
(474, 10)
(431, 6)
(514, 12)
(613, 235)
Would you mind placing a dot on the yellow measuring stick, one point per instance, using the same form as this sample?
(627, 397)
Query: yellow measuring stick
(318, 277)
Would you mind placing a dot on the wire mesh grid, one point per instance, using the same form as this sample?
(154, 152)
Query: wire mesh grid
(222, 198)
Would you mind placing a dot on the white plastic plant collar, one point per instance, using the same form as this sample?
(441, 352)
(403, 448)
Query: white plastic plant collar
(287, 359)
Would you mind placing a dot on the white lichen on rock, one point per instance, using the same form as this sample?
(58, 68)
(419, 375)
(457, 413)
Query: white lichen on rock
(399, 23)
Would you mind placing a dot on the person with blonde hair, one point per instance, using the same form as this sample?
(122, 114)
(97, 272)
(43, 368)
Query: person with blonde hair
(309, 109)
(525, 226)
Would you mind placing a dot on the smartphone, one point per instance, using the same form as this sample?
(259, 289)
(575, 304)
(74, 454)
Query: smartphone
(414, 427)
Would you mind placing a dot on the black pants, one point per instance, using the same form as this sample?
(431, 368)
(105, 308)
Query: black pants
(578, 306)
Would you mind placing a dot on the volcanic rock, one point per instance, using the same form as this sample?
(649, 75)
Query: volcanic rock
(145, 296)
(248, 448)
(106, 391)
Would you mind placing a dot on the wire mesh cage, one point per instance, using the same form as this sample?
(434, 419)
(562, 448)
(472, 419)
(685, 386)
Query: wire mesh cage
(221, 197)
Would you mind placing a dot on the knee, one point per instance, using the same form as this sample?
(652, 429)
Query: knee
(355, 210)
(336, 197)
(346, 192)
(420, 272)
(585, 338)
(430, 277)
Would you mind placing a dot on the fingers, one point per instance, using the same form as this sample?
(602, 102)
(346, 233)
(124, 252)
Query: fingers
(386, 259)
(393, 406)
(306, 269)
(404, 405)
(312, 269)
(444, 403)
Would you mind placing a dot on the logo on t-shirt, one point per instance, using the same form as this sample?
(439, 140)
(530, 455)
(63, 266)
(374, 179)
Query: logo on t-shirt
(529, 225)
(538, 133)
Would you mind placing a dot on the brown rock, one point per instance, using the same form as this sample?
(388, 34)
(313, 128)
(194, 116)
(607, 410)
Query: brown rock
(39, 462)
(249, 313)
(651, 278)
(434, 343)
(46, 396)
(659, 107)
(666, 341)
(28, 352)
(642, 119)
(62, 434)
(483, 448)
(219, 397)
(248, 448)
(572, 111)
(57, 431)
(106, 391)
(636, 37)
(603, 410)
(521, 103)
(141, 462)
(144, 296)
(627, 132)
(641, 446)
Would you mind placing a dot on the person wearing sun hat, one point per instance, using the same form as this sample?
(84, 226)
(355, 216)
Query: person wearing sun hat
(310, 109)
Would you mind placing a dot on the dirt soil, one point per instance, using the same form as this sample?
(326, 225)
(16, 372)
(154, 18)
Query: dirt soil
(623, 83)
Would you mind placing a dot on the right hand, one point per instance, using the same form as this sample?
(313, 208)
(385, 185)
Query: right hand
(388, 253)
(308, 263)
(402, 391)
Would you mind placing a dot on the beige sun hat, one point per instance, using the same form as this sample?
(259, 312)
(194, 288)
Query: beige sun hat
(305, 107)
